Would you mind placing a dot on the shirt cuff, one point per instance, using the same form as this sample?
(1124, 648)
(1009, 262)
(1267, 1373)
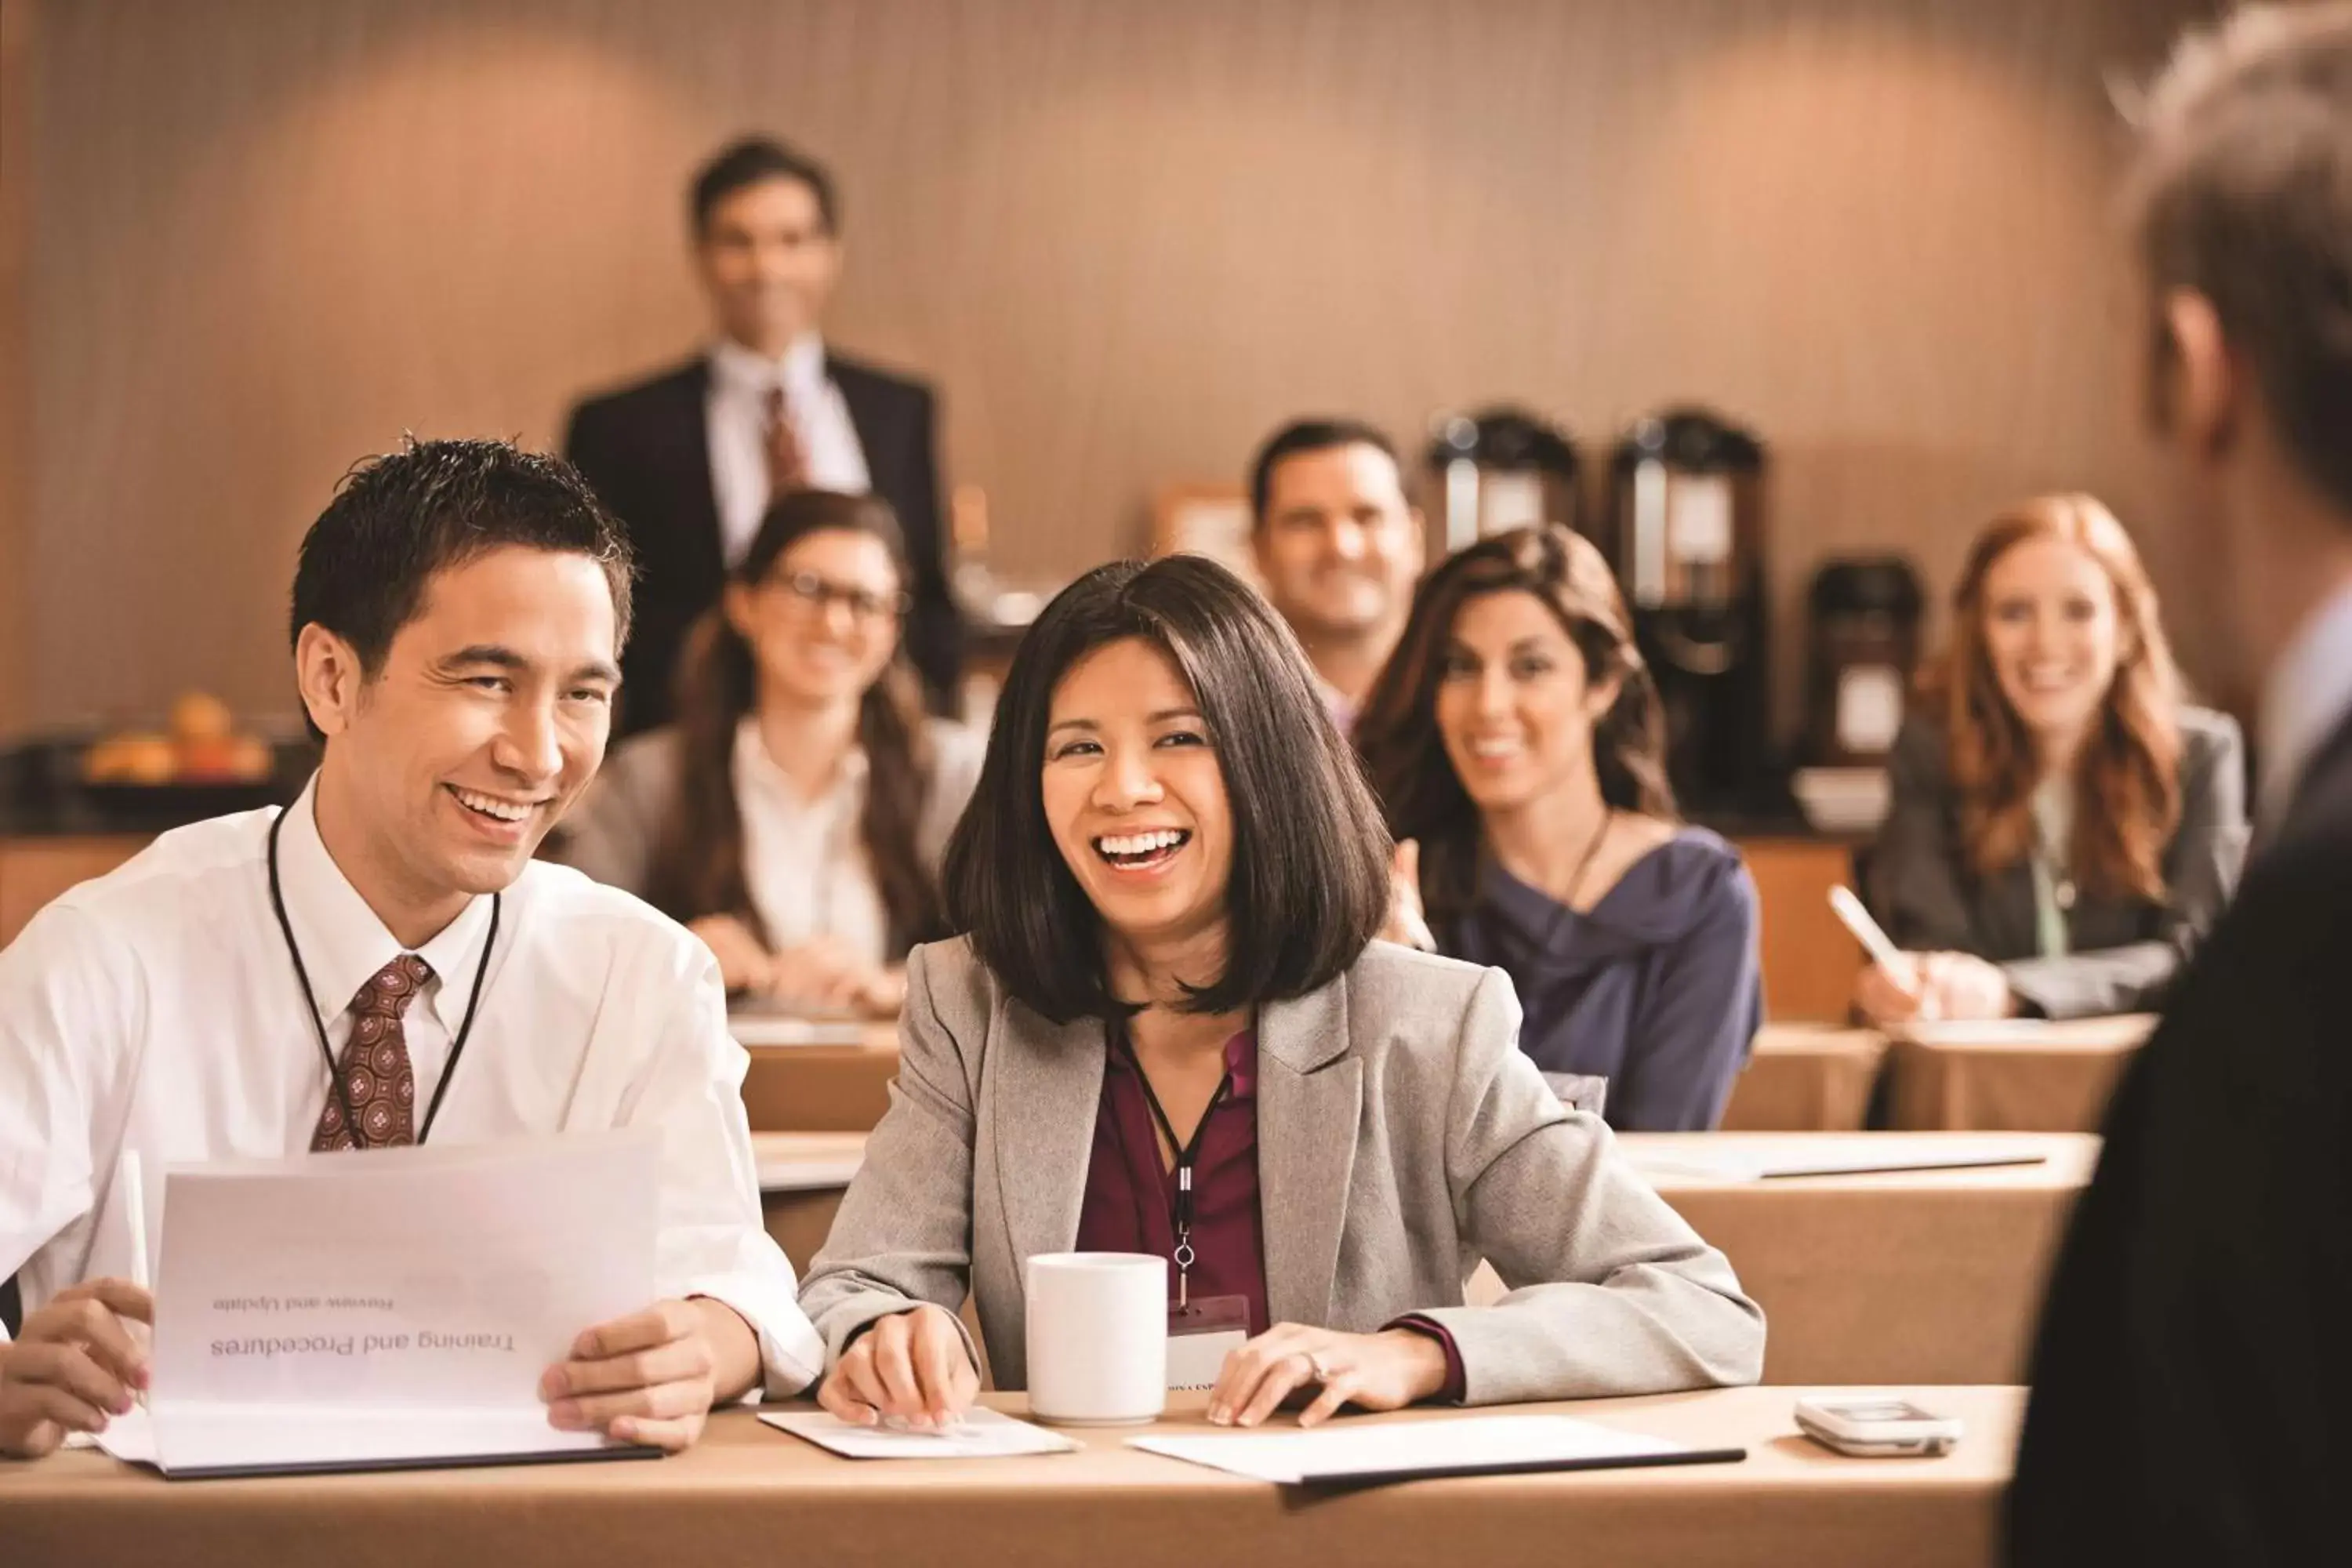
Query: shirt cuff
(1456, 1383)
(791, 1355)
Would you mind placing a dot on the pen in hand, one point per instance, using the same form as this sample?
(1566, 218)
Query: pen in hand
(1883, 953)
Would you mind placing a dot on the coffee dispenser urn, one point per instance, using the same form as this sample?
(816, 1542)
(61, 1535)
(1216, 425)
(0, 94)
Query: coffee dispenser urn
(1860, 657)
(1500, 469)
(1686, 533)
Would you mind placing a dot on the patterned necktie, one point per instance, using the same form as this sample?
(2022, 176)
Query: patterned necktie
(787, 463)
(376, 1068)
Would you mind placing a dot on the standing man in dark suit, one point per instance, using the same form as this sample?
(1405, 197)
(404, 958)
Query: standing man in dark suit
(2192, 1388)
(689, 459)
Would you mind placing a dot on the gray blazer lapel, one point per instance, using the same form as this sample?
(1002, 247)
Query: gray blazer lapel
(1048, 1087)
(1310, 1095)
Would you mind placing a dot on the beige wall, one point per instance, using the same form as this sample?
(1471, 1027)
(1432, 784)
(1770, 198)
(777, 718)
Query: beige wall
(1124, 238)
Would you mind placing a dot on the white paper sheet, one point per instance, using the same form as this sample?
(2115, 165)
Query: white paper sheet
(762, 1027)
(393, 1305)
(1344, 1453)
(1796, 1157)
(2122, 1029)
(983, 1434)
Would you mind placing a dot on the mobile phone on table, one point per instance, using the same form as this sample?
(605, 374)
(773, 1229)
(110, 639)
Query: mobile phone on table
(1877, 1426)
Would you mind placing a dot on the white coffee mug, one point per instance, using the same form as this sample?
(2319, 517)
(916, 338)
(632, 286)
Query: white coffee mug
(1097, 1337)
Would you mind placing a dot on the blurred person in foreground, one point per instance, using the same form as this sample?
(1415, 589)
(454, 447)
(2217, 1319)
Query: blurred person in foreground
(2191, 1383)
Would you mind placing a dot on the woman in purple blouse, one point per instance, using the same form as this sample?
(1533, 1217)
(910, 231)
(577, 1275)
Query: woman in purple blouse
(1517, 739)
(1171, 873)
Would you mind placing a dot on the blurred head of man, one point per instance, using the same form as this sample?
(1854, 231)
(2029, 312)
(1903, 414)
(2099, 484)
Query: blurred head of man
(1337, 543)
(2241, 204)
(766, 242)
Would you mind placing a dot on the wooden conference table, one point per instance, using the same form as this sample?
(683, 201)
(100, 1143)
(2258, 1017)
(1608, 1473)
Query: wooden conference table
(2027, 1075)
(748, 1494)
(1924, 1276)
(1801, 1077)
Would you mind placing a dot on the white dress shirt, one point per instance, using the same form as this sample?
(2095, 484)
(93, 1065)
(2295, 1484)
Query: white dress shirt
(805, 860)
(156, 1009)
(2308, 695)
(735, 409)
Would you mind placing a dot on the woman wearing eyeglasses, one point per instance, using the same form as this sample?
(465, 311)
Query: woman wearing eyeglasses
(796, 814)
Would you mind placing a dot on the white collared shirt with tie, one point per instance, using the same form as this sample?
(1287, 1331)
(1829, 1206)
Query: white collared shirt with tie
(736, 414)
(156, 1009)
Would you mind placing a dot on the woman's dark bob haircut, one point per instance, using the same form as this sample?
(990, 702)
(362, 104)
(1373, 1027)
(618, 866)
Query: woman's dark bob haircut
(1309, 887)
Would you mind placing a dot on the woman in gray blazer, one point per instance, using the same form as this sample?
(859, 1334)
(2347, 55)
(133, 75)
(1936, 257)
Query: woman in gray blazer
(2064, 828)
(1170, 1030)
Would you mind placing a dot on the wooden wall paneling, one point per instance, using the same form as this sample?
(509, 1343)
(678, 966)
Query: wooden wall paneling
(1125, 239)
(17, 22)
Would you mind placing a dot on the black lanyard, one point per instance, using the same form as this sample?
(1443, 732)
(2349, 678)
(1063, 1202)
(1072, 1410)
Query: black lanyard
(1180, 1208)
(342, 1091)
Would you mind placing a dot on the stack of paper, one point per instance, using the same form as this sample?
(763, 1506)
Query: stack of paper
(391, 1307)
(1352, 1454)
(981, 1433)
(1843, 1156)
(756, 1025)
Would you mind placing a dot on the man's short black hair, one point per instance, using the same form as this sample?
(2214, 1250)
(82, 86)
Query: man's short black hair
(747, 162)
(1309, 885)
(1309, 436)
(397, 520)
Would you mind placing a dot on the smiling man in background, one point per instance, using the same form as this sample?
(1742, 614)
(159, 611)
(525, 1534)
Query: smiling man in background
(690, 458)
(1339, 548)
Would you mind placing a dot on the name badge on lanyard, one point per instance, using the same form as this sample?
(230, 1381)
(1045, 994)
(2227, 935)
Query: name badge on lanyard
(1200, 1333)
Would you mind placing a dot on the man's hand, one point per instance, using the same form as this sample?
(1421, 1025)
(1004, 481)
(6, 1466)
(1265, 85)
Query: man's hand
(652, 1377)
(73, 1365)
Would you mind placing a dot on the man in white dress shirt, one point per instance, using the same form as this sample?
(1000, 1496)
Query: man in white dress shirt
(459, 614)
(690, 458)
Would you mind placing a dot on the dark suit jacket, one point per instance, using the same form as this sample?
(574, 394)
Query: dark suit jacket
(2122, 952)
(646, 451)
(2191, 1383)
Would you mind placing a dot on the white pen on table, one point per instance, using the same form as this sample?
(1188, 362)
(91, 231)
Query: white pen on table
(134, 1185)
(133, 1182)
(1874, 941)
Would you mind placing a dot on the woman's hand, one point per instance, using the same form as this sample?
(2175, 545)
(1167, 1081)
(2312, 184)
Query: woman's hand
(1934, 985)
(1407, 925)
(911, 1367)
(1966, 986)
(823, 974)
(1386, 1371)
(744, 961)
(1886, 994)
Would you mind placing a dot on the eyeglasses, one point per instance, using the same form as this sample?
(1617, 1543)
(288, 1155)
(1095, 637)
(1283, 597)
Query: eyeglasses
(812, 593)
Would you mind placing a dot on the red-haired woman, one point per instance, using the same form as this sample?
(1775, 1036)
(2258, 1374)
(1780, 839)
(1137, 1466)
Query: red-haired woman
(2063, 826)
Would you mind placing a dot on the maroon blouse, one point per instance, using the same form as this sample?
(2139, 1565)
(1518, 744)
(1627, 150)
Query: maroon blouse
(1130, 1191)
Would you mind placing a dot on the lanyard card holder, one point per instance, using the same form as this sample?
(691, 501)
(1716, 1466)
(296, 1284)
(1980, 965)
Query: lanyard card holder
(1202, 1332)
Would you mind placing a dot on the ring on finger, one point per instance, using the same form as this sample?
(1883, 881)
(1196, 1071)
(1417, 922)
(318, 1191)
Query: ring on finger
(1315, 1364)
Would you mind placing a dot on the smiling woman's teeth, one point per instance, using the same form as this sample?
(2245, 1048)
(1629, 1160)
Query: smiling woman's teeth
(1137, 849)
(491, 805)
